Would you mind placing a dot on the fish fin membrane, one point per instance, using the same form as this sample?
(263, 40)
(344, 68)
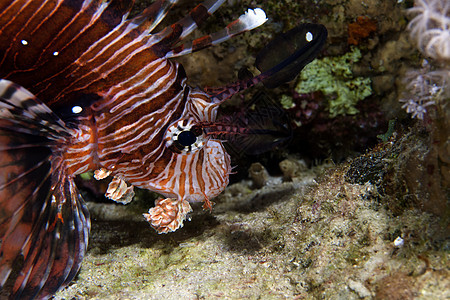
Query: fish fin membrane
(61, 50)
(262, 126)
(44, 223)
(268, 126)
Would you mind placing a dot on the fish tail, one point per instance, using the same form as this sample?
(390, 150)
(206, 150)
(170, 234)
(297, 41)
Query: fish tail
(44, 223)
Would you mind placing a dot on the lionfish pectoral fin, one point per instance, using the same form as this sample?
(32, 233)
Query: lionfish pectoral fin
(260, 127)
(168, 214)
(267, 124)
(44, 224)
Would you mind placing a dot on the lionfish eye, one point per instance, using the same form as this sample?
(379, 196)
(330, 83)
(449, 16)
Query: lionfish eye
(184, 136)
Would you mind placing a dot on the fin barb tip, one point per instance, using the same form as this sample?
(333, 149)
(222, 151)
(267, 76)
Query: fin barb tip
(253, 18)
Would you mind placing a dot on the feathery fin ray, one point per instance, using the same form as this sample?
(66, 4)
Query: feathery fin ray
(44, 223)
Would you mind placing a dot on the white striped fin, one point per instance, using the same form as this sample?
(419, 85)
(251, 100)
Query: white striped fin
(251, 19)
(21, 107)
(43, 221)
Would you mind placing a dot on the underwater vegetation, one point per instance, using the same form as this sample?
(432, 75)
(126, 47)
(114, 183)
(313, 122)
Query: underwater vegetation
(333, 77)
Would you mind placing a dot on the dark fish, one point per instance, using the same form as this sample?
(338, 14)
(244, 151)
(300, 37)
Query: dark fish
(288, 53)
(266, 125)
(281, 60)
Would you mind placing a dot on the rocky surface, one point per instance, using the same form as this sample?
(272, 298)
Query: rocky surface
(312, 236)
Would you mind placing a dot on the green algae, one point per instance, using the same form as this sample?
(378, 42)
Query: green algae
(287, 102)
(87, 176)
(333, 76)
(386, 136)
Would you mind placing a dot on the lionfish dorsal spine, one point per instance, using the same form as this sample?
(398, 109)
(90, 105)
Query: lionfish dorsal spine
(154, 14)
(251, 19)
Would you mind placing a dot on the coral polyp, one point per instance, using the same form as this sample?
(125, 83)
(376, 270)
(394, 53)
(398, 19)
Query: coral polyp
(431, 27)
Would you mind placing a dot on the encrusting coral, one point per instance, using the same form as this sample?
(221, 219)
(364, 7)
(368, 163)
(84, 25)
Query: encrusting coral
(334, 77)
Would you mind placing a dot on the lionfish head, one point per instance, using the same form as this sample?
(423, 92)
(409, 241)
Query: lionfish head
(195, 153)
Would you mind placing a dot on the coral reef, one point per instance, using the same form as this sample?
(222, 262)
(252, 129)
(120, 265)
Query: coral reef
(424, 88)
(360, 29)
(312, 239)
(428, 86)
(426, 96)
(320, 136)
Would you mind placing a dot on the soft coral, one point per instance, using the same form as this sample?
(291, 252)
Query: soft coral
(431, 28)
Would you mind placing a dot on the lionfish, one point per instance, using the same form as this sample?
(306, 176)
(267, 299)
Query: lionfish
(86, 87)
